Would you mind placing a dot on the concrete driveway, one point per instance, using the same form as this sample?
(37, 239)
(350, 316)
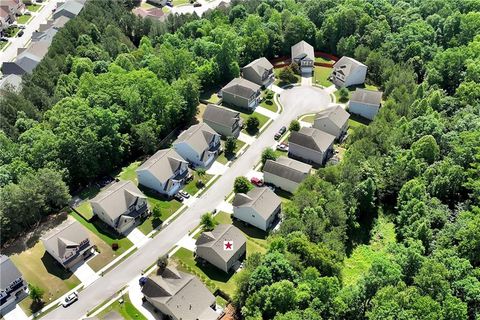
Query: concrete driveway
(305, 98)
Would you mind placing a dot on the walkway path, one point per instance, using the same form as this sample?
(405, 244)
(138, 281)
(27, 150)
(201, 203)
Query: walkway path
(266, 112)
(137, 238)
(85, 274)
(306, 80)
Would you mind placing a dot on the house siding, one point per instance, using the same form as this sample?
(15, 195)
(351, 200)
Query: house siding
(250, 216)
(367, 111)
(15, 295)
(208, 254)
(223, 130)
(280, 182)
(308, 155)
(356, 77)
(239, 101)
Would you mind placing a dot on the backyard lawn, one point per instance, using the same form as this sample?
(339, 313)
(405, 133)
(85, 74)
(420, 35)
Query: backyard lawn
(355, 122)
(210, 96)
(125, 309)
(223, 159)
(23, 19)
(128, 172)
(40, 269)
(33, 7)
(353, 88)
(320, 76)
(323, 60)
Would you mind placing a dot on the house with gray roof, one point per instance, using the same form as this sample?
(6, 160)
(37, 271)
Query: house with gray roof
(259, 71)
(222, 247)
(241, 93)
(27, 59)
(348, 72)
(152, 13)
(333, 120)
(285, 173)
(310, 145)
(13, 287)
(11, 82)
(259, 207)
(365, 103)
(120, 206)
(225, 122)
(303, 55)
(199, 145)
(68, 243)
(179, 296)
(69, 9)
(6, 18)
(165, 172)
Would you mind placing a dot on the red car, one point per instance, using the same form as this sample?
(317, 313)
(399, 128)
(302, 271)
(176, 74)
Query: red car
(256, 181)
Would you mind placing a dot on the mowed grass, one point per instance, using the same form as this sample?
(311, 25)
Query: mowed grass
(210, 96)
(125, 309)
(268, 102)
(355, 122)
(323, 60)
(279, 82)
(23, 19)
(39, 268)
(308, 118)
(360, 261)
(320, 76)
(261, 118)
(33, 7)
(180, 2)
(351, 89)
(223, 159)
(128, 172)
(192, 187)
(167, 208)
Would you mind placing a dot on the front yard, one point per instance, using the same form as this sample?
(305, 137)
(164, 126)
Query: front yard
(33, 7)
(23, 19)
(268, 102)
(261, 118)
(192, 187)
(320, 76)
(279, 82)
(223, 159)
(125, 309)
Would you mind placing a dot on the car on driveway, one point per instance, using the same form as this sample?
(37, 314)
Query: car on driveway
(178, 197)
(184, 194)
(71, 298)
(282, 146)
(257, 181)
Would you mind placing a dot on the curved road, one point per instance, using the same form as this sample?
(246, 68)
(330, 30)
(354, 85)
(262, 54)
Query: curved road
(296, 102)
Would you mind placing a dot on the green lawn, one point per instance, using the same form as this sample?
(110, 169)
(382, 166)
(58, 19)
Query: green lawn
(360, 261)
(85, 210)
(40, 269)
(223, 159)
(268, 102)
(192, 187)
(210, 96)
(125, 309)
(285, 196)
(33, 7)
(168, 207)
(104, 232)
(23, 19)
(261, 118)
(355, 122)
(3, 44)
(323, 60)
(128, 172)
(180, 2)
(310, 118)
(280, 82)
(320, 76)
(353, 88)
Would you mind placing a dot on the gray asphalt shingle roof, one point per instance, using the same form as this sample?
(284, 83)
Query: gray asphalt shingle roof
(259, 65)
(223, 232)
(241, 87)
(8, 272)
(198, 137)
(312, 138)
(367, 96)
(287, 168)
(163, 164)
(346, 65)
(263, 200)
(336, 114)
(303, 50)
(221, 116)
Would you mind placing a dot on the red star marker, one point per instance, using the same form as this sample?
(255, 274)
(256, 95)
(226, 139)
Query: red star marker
(228, 245)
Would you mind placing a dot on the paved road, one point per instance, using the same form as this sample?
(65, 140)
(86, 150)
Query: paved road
(19, 42)
(114, 280)
(206, 5)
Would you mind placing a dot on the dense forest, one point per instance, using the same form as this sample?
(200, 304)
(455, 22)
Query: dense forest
(113, 85)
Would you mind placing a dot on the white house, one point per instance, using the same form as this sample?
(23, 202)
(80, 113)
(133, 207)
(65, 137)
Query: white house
(13, 287)
(199, 145)
(348, 72)
(333, 120)
(365, 103)
(165, 172)
(285, 173)
(259, 207)
(310, 145)
(303, 55)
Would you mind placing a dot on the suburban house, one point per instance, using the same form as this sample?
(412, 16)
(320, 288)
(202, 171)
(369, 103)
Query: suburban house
(179, 296)
(225, 122)
(6, 18)
(68, 243)
(242, 93)
(303, 55)
(15, 7)
(285, 173)
(12, 286)
(46, 31)
(69, 9)
(164, 172)
(259, 207)
(27, 59)
(160, 3)
(152, 13)
(310, 145)
(120, 205)
(223, 247)
(199, 145)
(365, 103)
(333, 120)
(259, 71)
(348, 72)
(12, 82)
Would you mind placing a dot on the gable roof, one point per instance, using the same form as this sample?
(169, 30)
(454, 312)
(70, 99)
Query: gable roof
(241, 87)
(117, 198)
(367, 96)
(312, 138)
(214, 239)
(155, 13)
(303, 50)
(198, 137)
(346, 65)
(12, 81)
(184, 295)
(336, 114)
(163, 164)
(263, 200)
(221, 116)
(8, 272)
(287, 168)
(69, 233)
(71, 6)
(259, 65)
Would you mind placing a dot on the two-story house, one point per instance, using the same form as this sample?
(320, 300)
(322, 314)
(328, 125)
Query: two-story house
(285, 173)
(225, 122)
(165, 172)
(241, 93)
(365, 103)
(12, 286)
(303, 55)
(120, 205)
(68, 243)
(199, 145)
(333, 120)
(310, 145)
(348, 72)
(259, 71)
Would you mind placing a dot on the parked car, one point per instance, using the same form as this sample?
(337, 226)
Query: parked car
(3, 39)
(271, 187)
(197, 4)
(257, 181)
(280, 132)
(178, 197)
(71, 298)
(282, 146)
(142, 281)
(27, 13)
(21, 26)
(184, 194)
(20, 33)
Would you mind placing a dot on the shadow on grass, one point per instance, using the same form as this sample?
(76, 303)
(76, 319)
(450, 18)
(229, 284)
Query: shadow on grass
(213, 272)
(359, 119)
(54, 268)
(36, 306)
(250, 231)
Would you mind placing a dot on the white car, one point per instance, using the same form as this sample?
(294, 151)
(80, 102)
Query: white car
(71, 298)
